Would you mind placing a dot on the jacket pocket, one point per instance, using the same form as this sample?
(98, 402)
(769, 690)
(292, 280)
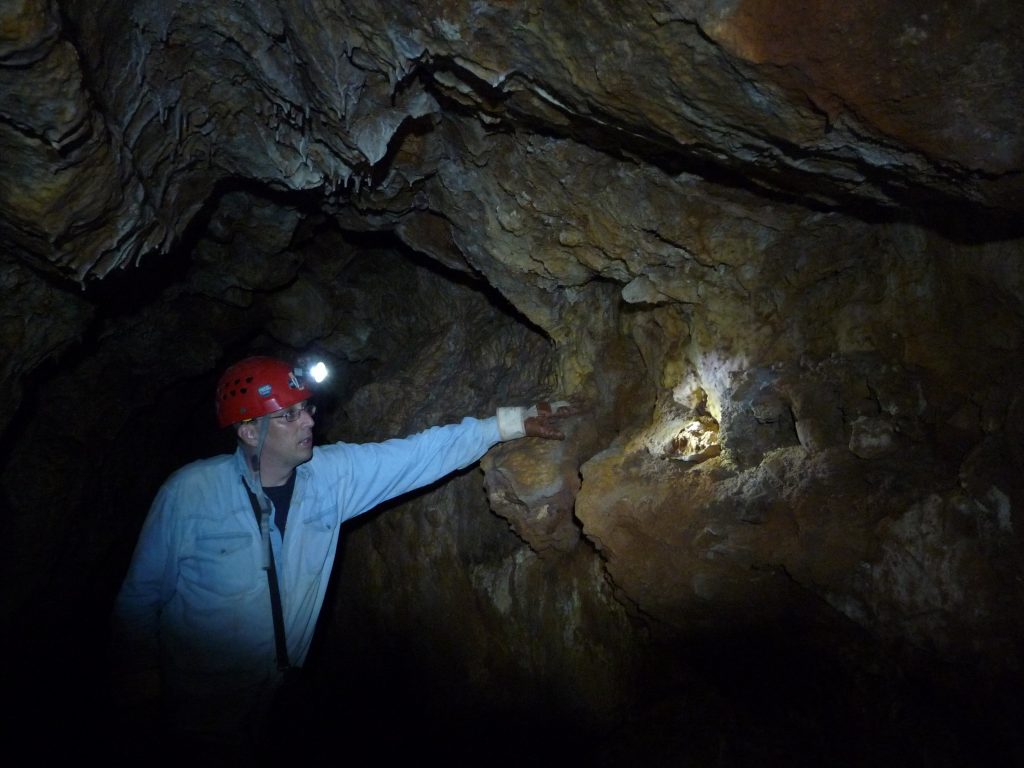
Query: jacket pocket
(318, 541)
(222, 563)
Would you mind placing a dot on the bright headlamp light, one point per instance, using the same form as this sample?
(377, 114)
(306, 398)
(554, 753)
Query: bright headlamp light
(318, 371)
(313, 369)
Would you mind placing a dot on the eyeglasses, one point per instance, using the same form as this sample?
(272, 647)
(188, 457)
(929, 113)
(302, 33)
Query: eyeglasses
(295, 412)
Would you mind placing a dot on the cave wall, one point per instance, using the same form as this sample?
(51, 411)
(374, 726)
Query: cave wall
(776, 247)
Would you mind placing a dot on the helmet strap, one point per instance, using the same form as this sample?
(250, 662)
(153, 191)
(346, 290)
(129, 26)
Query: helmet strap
(263, 517)
(264, 426)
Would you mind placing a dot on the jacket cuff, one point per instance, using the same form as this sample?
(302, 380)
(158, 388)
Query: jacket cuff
(511, 422)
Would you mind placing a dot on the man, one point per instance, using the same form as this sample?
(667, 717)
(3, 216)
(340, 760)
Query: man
(195, 615)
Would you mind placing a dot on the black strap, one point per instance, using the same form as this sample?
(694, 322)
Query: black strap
(275, 594)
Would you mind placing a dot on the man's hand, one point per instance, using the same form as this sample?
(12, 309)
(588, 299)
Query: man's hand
(543, 419)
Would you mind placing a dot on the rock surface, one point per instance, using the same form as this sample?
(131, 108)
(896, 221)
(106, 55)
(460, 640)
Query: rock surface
(775, 245)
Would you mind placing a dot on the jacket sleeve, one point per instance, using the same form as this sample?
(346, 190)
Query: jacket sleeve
(371, 473)
(147, 587)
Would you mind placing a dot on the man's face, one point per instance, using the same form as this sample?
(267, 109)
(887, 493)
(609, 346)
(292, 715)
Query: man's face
(289, 443)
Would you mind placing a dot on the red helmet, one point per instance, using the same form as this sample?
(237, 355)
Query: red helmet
(255, 387)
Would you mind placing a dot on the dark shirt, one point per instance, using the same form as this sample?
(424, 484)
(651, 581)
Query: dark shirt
(281, 496)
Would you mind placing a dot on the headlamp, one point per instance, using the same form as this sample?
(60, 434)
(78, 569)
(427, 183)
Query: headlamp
(318, 371)
(313, 369)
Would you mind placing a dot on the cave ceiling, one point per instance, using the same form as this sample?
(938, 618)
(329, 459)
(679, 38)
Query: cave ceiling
(775, 245)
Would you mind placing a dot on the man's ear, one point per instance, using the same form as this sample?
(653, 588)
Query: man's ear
(248, 433)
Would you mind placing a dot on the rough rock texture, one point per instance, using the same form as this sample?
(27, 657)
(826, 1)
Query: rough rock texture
(777, 247)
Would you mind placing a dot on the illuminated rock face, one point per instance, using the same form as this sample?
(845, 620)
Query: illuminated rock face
(775, 246)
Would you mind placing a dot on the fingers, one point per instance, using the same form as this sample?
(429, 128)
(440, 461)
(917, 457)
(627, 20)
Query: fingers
(542, 418)
(570, 407)
(540, 429)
